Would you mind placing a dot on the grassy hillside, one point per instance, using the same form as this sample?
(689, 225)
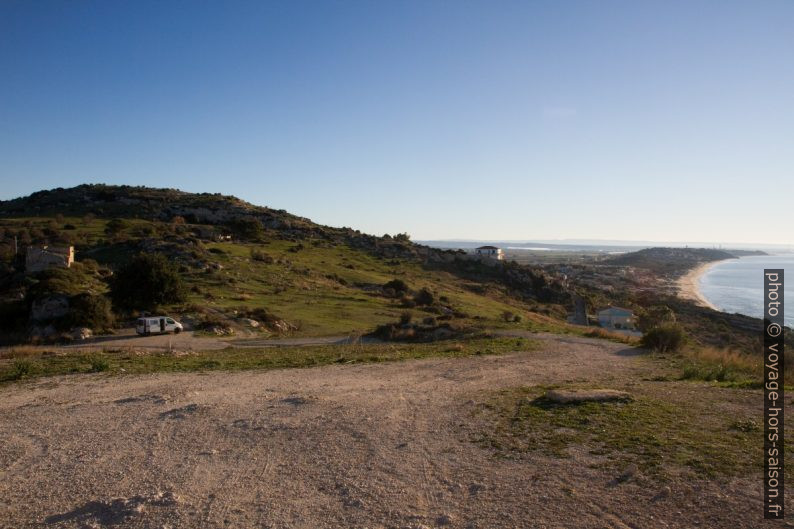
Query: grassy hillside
(241, 262)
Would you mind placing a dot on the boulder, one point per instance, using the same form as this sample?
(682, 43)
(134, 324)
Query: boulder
(81, 333)
(283, 326)
(221, 331)
(49, 308)
(251, 323)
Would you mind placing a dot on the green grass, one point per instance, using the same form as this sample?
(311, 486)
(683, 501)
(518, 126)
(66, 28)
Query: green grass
(329, 290)
(657, 435)
(122, 361)
(324, 288)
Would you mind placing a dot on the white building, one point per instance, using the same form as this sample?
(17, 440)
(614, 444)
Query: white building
(616, 318)
(491, 252)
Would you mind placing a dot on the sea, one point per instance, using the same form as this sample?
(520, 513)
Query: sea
(737, 285)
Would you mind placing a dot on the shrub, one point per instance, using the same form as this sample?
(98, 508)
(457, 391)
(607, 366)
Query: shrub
(98, 363)
(21, 368)
(664, 338)
(87, 310)
(406, 317)
(655, 316)
(397, 285)
(508, 316)
(407, 302)
(424, 297)
(247, 228)
(147, 281)
(262, 257)
(430, 321)
(115, 226)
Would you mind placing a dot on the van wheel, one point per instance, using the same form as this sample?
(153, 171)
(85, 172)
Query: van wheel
(177, 330)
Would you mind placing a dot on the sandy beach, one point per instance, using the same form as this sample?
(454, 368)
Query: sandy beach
(688, 285)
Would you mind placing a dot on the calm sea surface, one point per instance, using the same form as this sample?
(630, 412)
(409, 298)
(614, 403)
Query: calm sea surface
(737, 285)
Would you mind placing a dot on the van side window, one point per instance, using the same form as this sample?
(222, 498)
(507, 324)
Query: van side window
(169, 320)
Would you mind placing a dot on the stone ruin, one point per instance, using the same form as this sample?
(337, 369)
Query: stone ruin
(47, 257)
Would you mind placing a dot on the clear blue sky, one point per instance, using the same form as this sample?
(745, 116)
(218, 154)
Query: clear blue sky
(669, 121)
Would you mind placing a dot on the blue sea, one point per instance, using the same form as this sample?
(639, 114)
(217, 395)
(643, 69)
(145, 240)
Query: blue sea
(737, 285)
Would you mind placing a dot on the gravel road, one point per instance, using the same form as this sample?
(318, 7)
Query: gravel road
(362, 446)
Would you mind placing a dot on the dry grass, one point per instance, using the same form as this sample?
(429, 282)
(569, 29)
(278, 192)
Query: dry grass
(727, 357)
(729, 367)
(21, 351)
(614, 336)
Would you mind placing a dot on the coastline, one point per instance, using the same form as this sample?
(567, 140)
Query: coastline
(687, 285)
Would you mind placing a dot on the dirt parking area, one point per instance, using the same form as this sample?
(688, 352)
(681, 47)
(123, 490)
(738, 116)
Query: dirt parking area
(362, 446)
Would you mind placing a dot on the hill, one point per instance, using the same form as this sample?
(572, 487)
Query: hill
(665, 261)
(241, 262)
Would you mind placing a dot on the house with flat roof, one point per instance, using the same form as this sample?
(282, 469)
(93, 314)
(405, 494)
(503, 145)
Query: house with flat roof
(616, 318)
(491, 252)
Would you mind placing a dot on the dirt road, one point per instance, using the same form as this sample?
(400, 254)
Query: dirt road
(188, 341)
(363, 446)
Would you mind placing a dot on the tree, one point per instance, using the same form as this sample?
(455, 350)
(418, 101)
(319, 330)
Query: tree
(147, 281)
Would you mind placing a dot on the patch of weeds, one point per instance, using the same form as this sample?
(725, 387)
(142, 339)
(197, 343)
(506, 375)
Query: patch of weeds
(209, 364)
(744, 425)
(649, 432)
(709, 373)
(21, 368)
(97, 363)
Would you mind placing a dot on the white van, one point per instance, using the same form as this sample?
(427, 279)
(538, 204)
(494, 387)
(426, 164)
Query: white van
(157, 325)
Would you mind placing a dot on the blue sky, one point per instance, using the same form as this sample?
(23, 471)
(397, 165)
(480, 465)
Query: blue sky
(666, 121)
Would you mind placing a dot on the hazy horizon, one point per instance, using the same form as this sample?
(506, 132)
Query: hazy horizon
(534, 121)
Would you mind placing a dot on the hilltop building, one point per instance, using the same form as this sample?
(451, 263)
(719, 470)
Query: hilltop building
(616, 318)
(491, 252)
(47, 257)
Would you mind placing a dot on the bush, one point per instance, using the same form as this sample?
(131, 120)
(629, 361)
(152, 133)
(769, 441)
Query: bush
(20, 369)
(407, 302)
(147, 281)
(262, 257)
(115, 226)
(655, 316)
(249, 228)
(664, 338)
(424, 297)
(406, 317)
(397, 285)
(430, 321)
(98, 363)
(87, 310)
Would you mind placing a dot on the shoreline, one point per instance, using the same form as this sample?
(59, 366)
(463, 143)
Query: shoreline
(688, 288)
